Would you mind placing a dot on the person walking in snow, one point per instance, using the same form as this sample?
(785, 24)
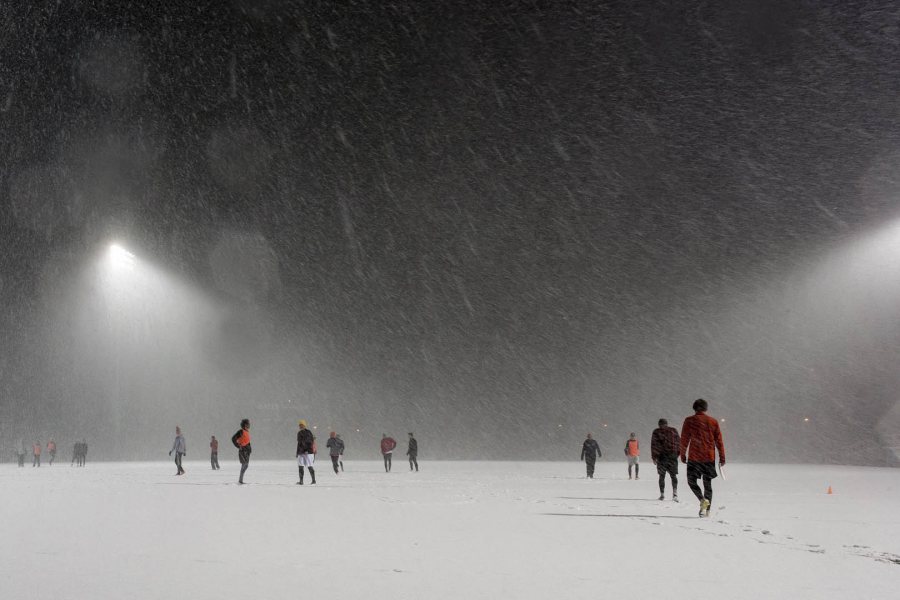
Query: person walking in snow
(36, 453)
(306, 452)
(633, 454)
(335, 449)
(51, 450)
(179, 448)
(84, 449)
(387, 448)
(590, 452)
(700, 438)
(412, 451)
(343, 447)
(665, 445)
(241, 441)
(20, 453)
(214, 453)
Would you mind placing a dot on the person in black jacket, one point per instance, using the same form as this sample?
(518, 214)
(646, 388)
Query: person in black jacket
(590, 451)
(664, 446)
(306, 454)
(412, 451)
(241, 441)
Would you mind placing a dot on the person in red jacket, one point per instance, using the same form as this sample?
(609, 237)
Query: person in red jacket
(633, 453)
(36, 452)
(700, 438)
(387, 448)
(51, 450)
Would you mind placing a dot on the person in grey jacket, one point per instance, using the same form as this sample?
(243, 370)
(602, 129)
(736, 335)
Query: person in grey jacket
(179, 448)
(335, 448)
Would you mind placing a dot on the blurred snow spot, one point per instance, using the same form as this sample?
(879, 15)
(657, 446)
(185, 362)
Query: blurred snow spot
(238, 157)
(113, 65)
(245, 266)
(42, 199)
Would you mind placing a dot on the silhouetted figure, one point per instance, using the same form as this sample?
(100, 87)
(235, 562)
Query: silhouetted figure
(664, 447)
(20, 453)
(387, 448)
(633, 454)
(590, 452)
(412, 451)
(700, 438)
(214, 453)
(343, 447)
(179, 447)
(306, 452)
(84, 449)
(36, 452)
(51, 450)
(335, 448)
(241, 441)
(76, 454)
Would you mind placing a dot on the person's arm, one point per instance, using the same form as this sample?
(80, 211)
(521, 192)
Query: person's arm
(583, 450)
(719, 443)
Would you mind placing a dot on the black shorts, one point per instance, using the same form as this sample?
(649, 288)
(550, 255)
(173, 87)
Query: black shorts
(667, 464)
(699, 469)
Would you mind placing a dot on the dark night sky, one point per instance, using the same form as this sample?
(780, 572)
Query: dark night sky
(504, 206)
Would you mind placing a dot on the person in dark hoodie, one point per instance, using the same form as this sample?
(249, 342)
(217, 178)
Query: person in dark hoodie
(335, 448)
(590, 452)
(306, 453)
(241, 441)
(412, 451)
(214, 453)
(387, 449)
(665, 443)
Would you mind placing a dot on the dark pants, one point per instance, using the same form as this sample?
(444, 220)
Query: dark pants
(334, 463)
(667, 464)
(214, 460)
(413, 462)
(178, 456)
(589, 462)
(312, 474)
(707, 471)
(52, 457)
(387, 462)
(244, 458)
(21, 460)
(37, 461)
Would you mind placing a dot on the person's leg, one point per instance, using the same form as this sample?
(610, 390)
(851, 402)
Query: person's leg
(390, 459)
(416, 461)
(300, 468)
(212, 461)
(385, 457)
(707, 487)
(692, 476)
(312, 475)
(334, 464)
(662, 480)
(637, 468)
(341, 462)
(244, 464)
(629, 467)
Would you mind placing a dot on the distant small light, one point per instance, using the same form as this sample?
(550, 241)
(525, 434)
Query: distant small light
(315, 426)
(357, 431)
(559, 425)
(806, 419)
(722, 419)
(604, 424)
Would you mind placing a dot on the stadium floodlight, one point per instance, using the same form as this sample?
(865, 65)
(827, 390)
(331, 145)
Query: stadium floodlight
(121, 257)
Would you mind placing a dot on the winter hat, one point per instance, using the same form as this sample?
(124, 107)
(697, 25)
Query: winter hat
(302, 423)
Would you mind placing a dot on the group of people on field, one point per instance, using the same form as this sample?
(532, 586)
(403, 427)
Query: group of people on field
(306, 451)
(696, 446)
(37, 452)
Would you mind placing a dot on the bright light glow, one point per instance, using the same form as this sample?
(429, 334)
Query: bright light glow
(806, 420)
(120, 256)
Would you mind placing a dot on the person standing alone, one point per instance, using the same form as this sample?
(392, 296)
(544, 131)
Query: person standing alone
(214, 453)
(412, 451)
(387, 448)
(306, 454)
(51, 450)
(335, 448)
(179, 448)
(664, 448)
(241, 441)
(36, 453)
(700, 438)
(633, 454)
(590, 452)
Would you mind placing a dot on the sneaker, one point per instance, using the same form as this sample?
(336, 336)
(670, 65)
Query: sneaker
(675, 498)
(704, 508)
(661, 497)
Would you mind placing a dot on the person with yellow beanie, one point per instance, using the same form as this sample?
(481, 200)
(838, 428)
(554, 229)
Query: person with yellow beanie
(306, 453)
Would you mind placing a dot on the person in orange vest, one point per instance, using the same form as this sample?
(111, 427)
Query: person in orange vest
(51, 450)
(633, 453)
(214, 453)
(387, 448)
(700, 438)
(241, 441)
(36, 452)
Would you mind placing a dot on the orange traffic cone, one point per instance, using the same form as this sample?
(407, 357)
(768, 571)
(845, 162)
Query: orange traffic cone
(829, 490)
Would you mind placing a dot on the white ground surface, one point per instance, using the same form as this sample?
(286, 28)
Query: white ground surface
(454, 530)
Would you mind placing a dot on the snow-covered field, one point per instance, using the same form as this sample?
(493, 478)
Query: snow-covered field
(454, 530)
